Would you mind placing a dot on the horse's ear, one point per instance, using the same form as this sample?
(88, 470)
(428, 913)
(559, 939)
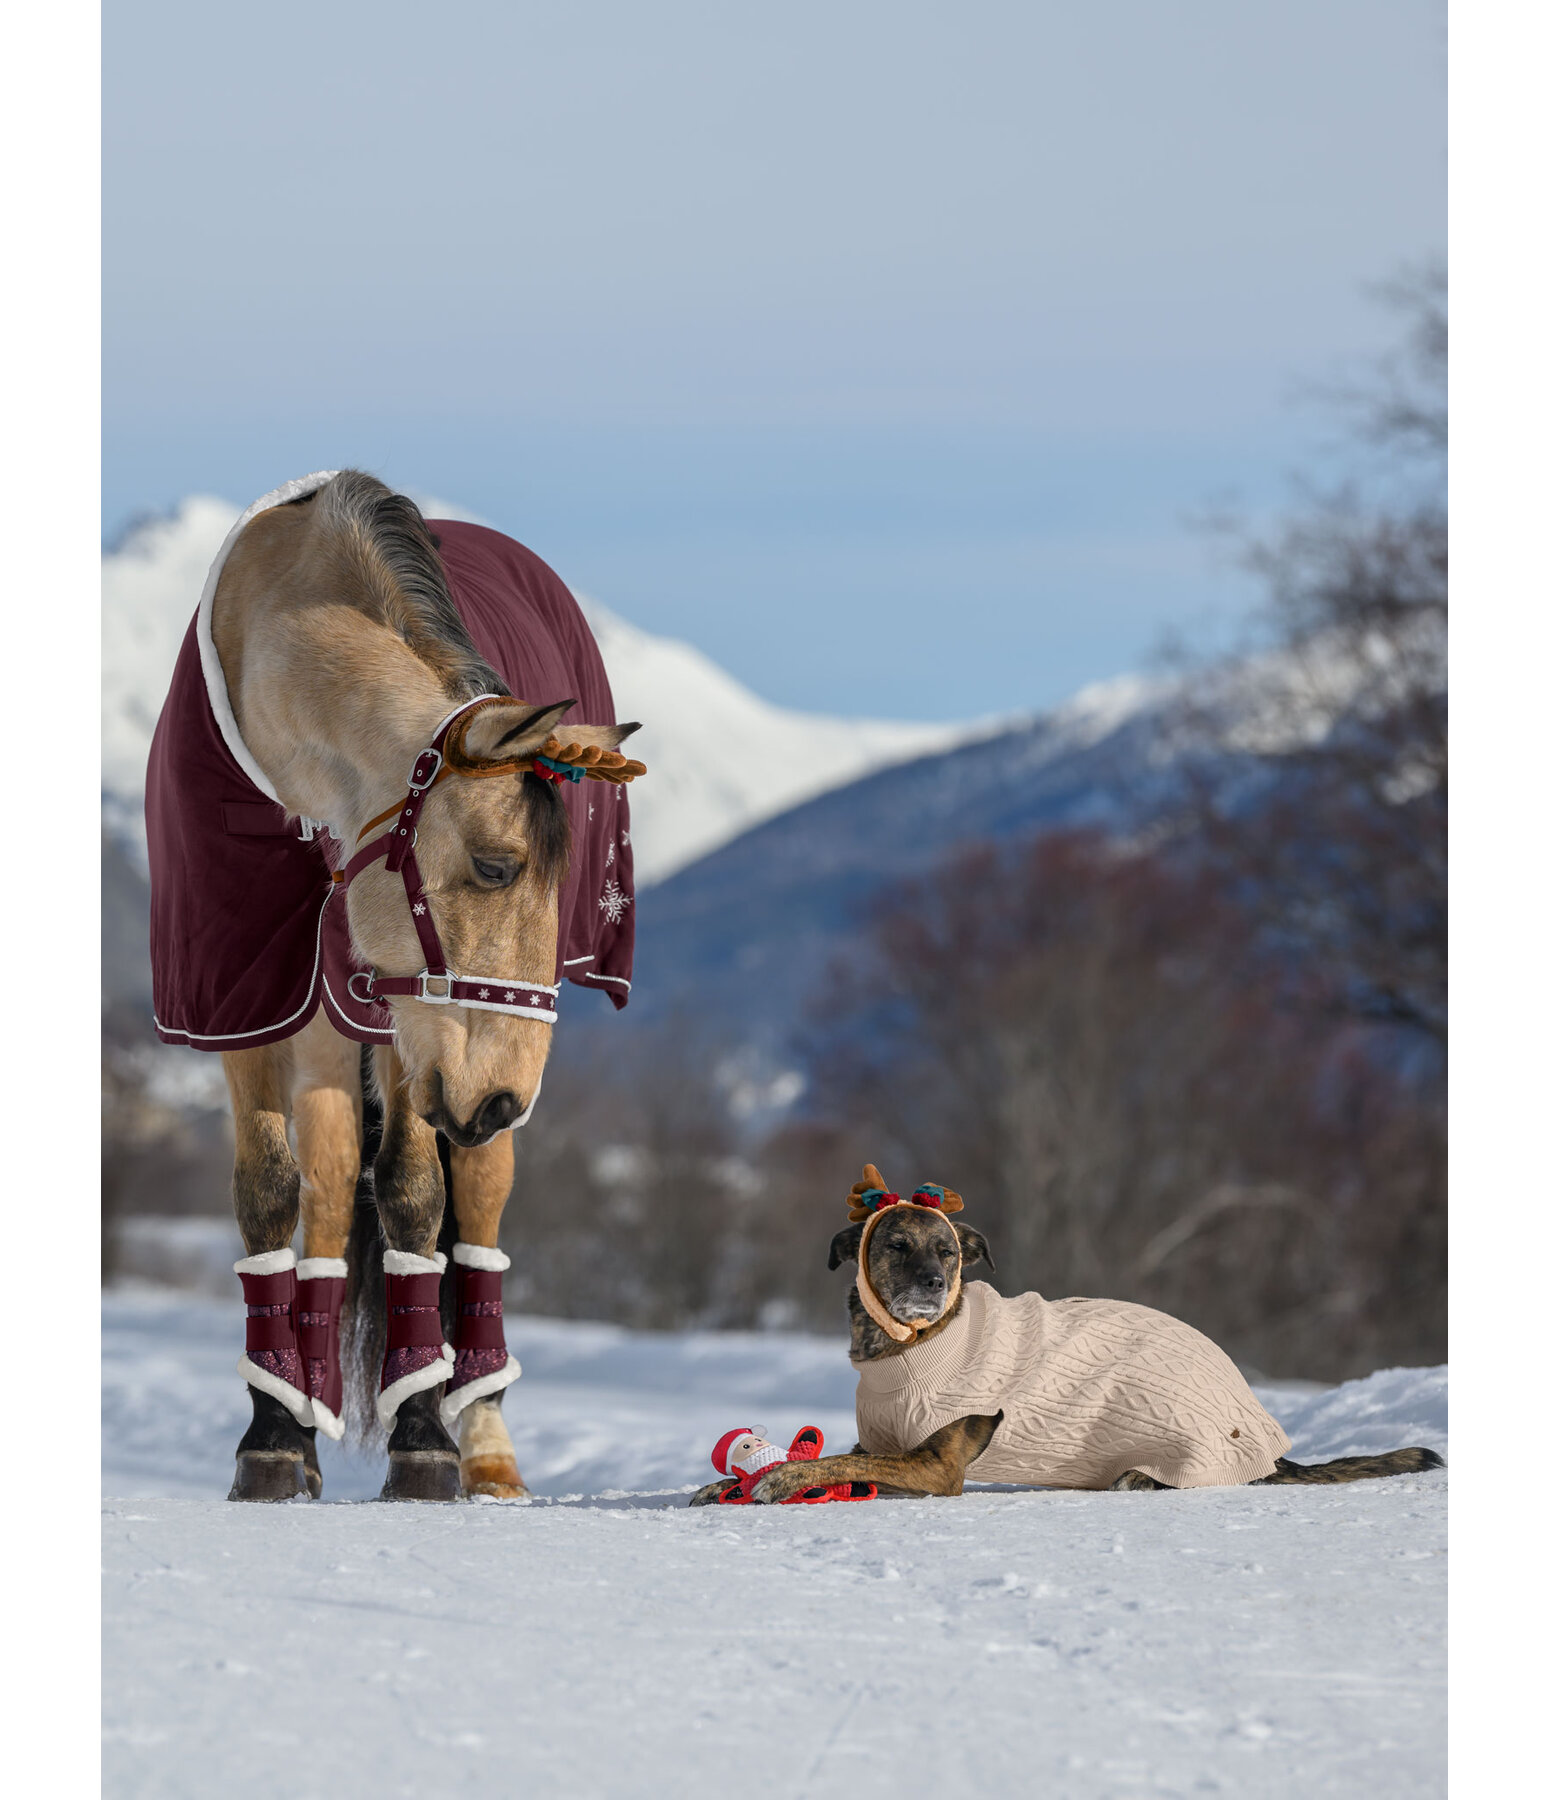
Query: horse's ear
(606, 737)
(513, 728)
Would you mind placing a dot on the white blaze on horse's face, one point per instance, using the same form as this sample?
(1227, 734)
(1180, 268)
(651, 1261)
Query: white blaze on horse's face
(492, 854)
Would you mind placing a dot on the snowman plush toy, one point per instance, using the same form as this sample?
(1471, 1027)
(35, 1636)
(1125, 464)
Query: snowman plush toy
(743, 1456)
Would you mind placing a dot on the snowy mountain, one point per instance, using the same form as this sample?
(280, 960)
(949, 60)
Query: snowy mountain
(743, 936)
(697, 796)
(720, 758)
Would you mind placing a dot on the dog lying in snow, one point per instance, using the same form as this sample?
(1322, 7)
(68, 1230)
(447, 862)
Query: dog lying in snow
(1097, 1394)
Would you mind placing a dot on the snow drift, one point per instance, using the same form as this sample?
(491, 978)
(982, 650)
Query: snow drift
(606, 1643)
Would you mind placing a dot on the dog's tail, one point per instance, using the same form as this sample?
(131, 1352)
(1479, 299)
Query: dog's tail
(1352, 1468)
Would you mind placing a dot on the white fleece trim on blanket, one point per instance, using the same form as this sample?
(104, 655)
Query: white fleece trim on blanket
(209, 661)
(405, 1262)
(329, 1423)
(415, 1382)
(291, 1398)
(455, 1399)
(480, 1256)
(266, 1262)
(321, 1268)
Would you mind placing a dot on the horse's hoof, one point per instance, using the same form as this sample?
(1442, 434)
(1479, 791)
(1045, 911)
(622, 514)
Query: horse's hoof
(271, 1475)
(497, 1477)
(422, 1475)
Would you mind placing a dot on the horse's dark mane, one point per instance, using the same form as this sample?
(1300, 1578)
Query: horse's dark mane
(407, 586)
(406, 580)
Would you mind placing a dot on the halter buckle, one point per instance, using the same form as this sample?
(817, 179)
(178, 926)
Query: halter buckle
(418, 781)
(424, 991)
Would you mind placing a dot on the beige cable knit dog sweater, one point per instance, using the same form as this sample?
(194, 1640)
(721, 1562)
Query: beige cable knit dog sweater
(1090, 1389)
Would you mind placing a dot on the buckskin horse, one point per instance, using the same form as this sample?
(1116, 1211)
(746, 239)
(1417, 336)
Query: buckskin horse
(358, 835)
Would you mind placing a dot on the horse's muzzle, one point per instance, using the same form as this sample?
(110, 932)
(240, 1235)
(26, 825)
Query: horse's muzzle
(494, 1115)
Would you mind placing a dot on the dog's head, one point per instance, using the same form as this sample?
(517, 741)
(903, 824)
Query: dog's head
(912, 1256)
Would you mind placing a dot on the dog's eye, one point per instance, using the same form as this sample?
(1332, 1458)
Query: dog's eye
(496, 872)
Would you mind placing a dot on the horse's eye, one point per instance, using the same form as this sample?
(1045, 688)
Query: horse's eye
(495, 874)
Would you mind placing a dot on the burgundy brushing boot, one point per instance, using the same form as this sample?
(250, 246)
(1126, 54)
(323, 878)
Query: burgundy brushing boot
(320, 1284)
(422, 1459)
(482, 1365)
(271, 1459)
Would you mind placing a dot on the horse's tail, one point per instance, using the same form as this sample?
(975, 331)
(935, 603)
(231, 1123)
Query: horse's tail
(1352, 1468)
(364, 1334)
(365, 1314)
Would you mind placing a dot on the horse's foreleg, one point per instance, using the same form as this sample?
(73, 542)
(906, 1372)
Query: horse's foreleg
(481, 1184)
(422, 1459)
(326, 1110)
(272, 1455)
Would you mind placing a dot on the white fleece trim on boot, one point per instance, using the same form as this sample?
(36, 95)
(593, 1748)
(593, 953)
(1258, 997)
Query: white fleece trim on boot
(267, 1262)
(480, 1388)
(480, 1256)
(415, 1382)
(291, 1398)
(405, 1262)
(329, 1423)
(321, 1268)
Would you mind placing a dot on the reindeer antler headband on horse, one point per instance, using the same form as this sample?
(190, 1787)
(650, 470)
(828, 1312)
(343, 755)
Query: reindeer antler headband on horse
(444, 756)
(870, 1199)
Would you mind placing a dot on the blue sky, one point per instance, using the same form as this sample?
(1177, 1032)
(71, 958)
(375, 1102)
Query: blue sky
(884, 351)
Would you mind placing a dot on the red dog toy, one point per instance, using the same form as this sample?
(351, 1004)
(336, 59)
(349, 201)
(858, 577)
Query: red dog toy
(747, 1457)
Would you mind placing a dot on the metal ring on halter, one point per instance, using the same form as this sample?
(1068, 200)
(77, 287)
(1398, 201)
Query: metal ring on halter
(368, 998)
(424, 993)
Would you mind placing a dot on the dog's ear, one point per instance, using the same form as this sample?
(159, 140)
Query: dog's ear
(845, 1245)
(973, 1245)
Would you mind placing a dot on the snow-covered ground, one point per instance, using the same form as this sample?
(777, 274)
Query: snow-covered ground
(603, 1641)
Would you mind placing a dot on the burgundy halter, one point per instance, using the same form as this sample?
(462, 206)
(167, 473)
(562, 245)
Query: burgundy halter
(436, 984)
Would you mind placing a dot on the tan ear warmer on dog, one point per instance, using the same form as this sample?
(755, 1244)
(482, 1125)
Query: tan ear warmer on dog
(869, 1199)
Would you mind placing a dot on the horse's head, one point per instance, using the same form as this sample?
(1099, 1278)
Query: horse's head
(492, 851)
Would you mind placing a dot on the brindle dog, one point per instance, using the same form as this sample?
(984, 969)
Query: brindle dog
(911, 1260)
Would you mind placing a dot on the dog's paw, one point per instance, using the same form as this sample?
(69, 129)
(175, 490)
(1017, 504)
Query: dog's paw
(1134, 1482)
(783, 1481)
(712, 1492)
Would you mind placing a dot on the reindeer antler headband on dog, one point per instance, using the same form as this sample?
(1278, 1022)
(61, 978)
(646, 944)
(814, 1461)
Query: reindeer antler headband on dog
(869, 1199)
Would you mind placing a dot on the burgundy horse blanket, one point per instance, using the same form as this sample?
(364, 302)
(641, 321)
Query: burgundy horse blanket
(249, 934)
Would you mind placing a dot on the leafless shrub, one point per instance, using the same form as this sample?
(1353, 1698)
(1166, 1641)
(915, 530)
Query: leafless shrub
(1087, 1043)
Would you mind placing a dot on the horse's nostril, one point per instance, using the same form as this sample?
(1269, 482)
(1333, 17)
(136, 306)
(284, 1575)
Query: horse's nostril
(496, 1113)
